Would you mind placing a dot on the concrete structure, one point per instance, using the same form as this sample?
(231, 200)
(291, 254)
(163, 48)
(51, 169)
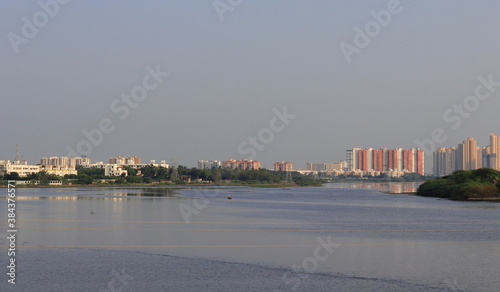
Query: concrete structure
(385, 160)
(124, 160)
(241, 164)
(114, 170)
(209, 164)
(283, 166)
(444, 161)
(65, 161)
(494, 155)
(57, 170)
(325, 167)
(469, 156)
(20, 167)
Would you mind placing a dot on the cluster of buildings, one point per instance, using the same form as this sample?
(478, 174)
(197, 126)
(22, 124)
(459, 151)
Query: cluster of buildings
(62, 166)
(359, 162)
(116, 165)
(393, 162)
(245, 164)
(466, 156)
(19, 166)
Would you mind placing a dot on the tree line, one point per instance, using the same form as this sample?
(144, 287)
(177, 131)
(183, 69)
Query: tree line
(158, 174)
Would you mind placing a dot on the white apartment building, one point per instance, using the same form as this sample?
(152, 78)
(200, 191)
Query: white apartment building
(64, 161)
(209, 164)
(114, 170)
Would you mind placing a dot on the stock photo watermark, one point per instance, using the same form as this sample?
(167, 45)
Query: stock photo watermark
(364, 35)
(293, 279)
(31, 26)
(119, 282)
(122, 107)
(223, 6)
(265, 136)
(198, 203)
(11, 231)
(458, 112)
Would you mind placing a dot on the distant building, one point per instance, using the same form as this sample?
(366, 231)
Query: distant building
(64, 161)
(20, 167)
(467, 156)
(24, 169)
(324, 167)
(385, 160)
(209, 164)
(58, 170)
(444, 160)
(283, 166)
(494, 155)
(124, 160)
(241, 164)
(114, 170)
(132, 162)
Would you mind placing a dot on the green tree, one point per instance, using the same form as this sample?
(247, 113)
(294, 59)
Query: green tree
(85, 179)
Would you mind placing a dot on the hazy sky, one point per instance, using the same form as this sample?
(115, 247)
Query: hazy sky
(231, 70)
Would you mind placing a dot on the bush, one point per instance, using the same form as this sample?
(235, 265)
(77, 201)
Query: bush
(462, 185)
(480, 190)
(134, 179)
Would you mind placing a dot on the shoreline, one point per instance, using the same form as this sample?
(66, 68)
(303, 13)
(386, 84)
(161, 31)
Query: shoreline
(490, 199)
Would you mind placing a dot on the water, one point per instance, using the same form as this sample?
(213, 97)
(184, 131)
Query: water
(137, 239)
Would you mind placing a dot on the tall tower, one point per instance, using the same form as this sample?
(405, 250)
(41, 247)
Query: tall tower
(468, 155)
(17, 152)
(494, 151)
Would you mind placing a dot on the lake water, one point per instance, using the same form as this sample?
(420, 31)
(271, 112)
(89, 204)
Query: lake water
(327, 238)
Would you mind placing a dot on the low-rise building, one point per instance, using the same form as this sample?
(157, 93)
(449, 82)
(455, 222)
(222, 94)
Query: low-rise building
(114, 170)
(58, 170)
(20, 167)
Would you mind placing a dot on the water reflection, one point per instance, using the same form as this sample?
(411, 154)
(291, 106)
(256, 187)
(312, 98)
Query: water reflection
(390, 187)
(142, 192)
(97, 193)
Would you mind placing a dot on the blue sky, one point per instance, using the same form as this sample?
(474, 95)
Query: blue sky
(226, 77)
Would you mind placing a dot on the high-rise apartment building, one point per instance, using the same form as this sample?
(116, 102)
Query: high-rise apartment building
(241, 164)
(64, 161)
(469, 156)
(444, 161)
(209, 164)
(384, 160)
(494, 155)
(124, 160)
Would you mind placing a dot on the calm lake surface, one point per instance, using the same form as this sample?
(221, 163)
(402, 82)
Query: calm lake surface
(331, 238)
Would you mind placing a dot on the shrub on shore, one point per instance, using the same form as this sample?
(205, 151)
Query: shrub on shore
(462, 185)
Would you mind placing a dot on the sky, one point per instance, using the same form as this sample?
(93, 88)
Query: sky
(299, 81)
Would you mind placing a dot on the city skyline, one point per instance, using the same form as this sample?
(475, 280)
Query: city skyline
(467, 156)
(182, 81)
(445, 160)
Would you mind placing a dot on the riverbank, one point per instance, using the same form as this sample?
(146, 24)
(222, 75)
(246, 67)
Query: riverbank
(491, 199)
